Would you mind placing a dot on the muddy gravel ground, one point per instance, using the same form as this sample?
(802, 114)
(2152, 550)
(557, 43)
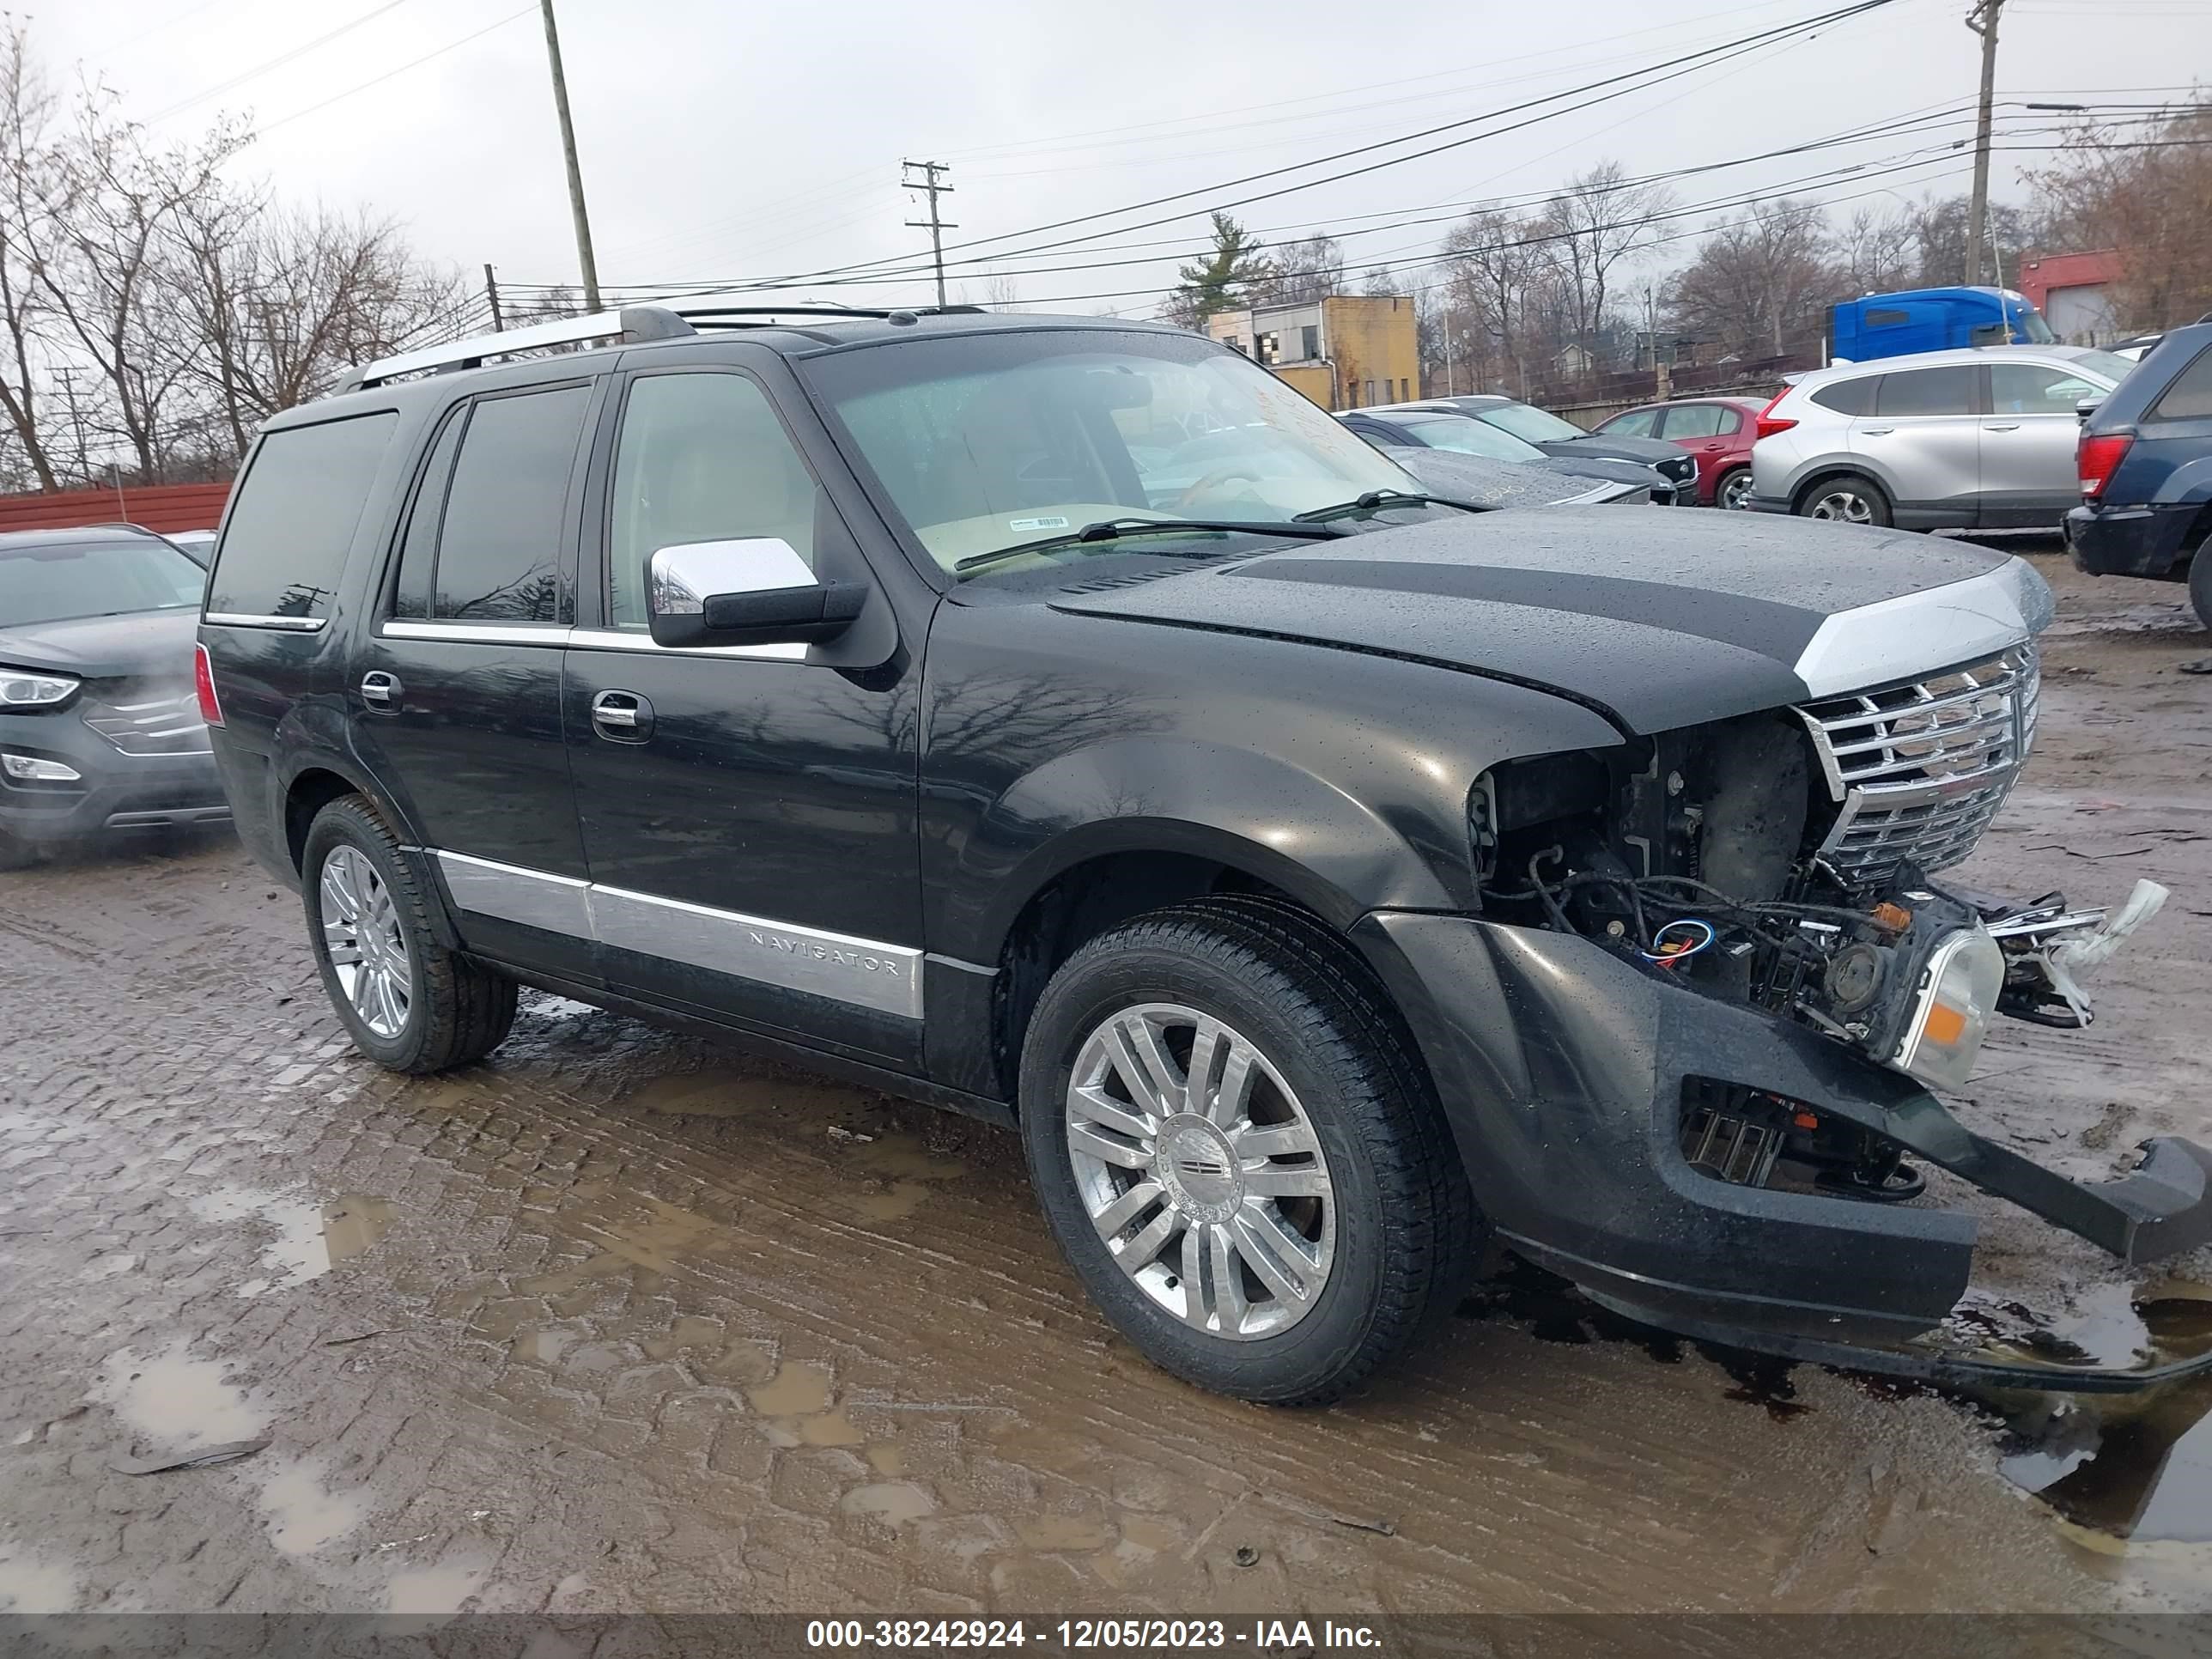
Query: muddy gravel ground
(622, 1321)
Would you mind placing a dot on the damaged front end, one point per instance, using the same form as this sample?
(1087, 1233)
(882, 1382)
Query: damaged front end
(1730, 977)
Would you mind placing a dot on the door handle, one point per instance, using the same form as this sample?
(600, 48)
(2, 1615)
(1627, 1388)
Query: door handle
(1876, 431)
(380, 690)
(622, 717)
(2010, 427)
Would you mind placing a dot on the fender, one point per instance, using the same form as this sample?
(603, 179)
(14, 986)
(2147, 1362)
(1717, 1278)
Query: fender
(2189, 484)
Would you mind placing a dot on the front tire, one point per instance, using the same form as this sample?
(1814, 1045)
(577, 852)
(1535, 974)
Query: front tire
(1240, 1155)
(408, 1003)
(2200, 581)
(1847, 499)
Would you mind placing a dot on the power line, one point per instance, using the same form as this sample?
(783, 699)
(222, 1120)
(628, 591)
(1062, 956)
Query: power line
(277, 62)
(936, 225)
(378, 81)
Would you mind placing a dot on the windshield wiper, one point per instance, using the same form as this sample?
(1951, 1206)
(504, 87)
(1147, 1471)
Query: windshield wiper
(1108, 530)
(1376, 500)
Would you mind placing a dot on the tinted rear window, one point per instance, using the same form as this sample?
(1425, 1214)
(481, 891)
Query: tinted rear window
(2190, 396)
(1927, 391)
(499, 548)
(43, 582)
(1849, 397)
(297, 508)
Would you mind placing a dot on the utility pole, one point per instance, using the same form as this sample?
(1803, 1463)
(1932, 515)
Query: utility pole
(1982, 20)
(491, 293)
(590, 266)
(935, 226)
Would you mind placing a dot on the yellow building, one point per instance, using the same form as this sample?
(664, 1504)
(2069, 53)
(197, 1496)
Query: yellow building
(1347, 351)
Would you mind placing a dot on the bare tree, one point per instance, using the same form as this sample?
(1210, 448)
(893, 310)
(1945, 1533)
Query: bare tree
(27, 225)
(1759, 279)
(1494, 271)
(1600, 222)
(1302, 271)
(1877, 251)
(2146, 199)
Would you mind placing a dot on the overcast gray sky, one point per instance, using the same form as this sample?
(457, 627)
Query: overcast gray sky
(761, 137)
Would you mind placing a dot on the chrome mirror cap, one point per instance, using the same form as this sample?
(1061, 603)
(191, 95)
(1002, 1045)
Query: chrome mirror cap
(679, 580)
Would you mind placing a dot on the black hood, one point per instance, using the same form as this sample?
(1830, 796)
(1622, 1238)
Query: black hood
(1658, 620)
(153, 643)
(1577, 465)
(1608, 447)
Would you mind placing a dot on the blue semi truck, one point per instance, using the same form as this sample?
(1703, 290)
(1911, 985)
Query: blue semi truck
(1934, 319)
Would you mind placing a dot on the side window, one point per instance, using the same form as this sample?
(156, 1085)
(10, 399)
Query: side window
(1887, 319)
(498, 543)
(2190, 396)
(1731, 421)
(1694, 421)
(1927, 391)
(701, 458)
(1637, 423)
(297, 508)
(1850, 397)
(418, 551)
(2035, 389)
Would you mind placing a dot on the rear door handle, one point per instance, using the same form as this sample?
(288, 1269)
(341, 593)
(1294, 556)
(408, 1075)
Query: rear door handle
(1876, 431)
(622, 717)
(2012, 426)
(380, 690)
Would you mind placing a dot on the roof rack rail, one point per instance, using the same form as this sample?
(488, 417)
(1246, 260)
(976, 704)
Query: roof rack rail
(631, 325)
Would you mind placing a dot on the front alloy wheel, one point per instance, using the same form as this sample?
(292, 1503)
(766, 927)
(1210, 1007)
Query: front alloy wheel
(1735, 490)
(1200, 1171)
(368, 951)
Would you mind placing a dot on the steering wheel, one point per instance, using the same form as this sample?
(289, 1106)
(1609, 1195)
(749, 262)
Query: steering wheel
(1202, 487)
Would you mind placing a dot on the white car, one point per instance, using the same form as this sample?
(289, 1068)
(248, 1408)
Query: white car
(1974, 439)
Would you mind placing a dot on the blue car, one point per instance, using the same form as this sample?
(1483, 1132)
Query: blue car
(2146, 469)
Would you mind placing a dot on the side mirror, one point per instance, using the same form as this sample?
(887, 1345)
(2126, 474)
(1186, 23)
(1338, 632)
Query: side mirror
(2089, 406)
(754, 591)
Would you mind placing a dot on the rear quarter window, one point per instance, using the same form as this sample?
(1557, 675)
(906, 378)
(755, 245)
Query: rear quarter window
(2190, 396)
(1849, 397)
(285, 542)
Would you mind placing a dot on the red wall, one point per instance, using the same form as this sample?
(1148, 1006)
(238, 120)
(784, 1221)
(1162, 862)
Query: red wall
(157, 507)
(2039, 276)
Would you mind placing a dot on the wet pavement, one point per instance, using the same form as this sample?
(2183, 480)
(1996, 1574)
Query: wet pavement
(623, 1321)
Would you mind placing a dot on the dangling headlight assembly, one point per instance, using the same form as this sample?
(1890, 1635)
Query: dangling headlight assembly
(1951, 1014)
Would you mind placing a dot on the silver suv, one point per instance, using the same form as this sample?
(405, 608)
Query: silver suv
(1978, 439)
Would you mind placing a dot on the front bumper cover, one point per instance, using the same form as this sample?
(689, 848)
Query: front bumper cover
(1562, 1069)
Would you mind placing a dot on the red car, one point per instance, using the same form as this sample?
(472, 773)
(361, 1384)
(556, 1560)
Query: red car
(1718, 431)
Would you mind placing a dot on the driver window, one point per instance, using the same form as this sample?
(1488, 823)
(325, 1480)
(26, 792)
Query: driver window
(701, 458)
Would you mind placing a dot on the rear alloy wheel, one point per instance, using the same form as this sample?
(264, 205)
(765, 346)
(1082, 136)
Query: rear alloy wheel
(1239, 1152)
(408, 1002)
(1733, 489)
(1850, 498)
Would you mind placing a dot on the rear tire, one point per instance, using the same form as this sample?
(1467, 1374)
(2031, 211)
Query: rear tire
(1847, 498)
(408, 1003)
(1732, 489)
(1306, 1223)
(2200, 581)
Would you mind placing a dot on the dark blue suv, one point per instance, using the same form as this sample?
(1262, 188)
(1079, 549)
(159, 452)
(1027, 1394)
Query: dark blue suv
(2146, 468)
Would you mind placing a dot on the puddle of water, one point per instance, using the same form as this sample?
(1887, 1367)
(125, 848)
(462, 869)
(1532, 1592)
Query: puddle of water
(28, 1584)
(1063, 1532)
(885, 1457)
(689, 1334)
(892, 1502)
(311, 1237)
(304, 1516)
(2129, 1475)
(906, 1169)
(793, 1391)
(425, 1590)
(721, 1093)
(657, 1244)
(177, 1399)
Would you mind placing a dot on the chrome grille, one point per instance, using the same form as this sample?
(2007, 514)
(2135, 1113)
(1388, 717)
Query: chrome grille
(147, 718)
(1919, 769)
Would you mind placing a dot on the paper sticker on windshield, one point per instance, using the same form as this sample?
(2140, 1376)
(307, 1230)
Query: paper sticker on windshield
(1036, 524)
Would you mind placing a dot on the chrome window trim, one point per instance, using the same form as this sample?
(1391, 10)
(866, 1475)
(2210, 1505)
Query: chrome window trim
(581, 639)
(623, 639)
(403, 628)
(247, 619)
(840, 967)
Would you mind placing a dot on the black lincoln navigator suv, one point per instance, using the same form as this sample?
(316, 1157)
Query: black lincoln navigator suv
(1065, 722)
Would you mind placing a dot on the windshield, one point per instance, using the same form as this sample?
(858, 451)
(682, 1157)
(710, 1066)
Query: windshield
(2103, 364)
(59, 581)
(1534, 424)
(2032, 328)
(1467, 436)
(988, 442)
